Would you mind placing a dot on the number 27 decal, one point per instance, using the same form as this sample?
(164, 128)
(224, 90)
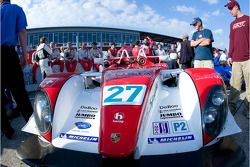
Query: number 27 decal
(123, 94)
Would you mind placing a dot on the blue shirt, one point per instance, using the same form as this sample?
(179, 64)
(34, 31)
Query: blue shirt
(203, 52)
(13, 20)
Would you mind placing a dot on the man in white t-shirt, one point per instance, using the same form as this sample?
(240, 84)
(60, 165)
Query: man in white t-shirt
(84, 57)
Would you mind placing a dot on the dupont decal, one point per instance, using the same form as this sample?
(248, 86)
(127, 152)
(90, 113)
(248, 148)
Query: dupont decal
(87, 109)
(78, 137)
(123, 94)
(160, 128)
(118, 117)
(85, 116)
(171, 115)
(169, 108)
(179, 126)
(83, 125)
(170, 139)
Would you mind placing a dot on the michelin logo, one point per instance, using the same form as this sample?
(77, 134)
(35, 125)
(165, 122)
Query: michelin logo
(170, 139)
(79, 137)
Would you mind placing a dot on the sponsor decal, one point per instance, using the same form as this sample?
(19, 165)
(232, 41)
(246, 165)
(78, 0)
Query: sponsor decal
(239, 25)
(78, 137)
(160, 128)
(170, 139)
(83, 125)
(171, 115)
(169, 108)
(209, 76)
(48, 82)
(85, 116)
(123, 94)
(180, 126)
(122, 74)
(119, 117)
(115, 137)
(87, 109)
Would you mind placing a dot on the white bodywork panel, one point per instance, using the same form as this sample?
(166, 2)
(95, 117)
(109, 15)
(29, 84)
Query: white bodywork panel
(172, 122)
(77, 105)
(31, 127)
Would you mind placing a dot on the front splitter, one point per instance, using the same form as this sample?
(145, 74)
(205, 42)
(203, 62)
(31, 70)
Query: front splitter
(36, 153)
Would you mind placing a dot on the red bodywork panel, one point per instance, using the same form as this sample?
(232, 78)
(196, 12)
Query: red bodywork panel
(52, 84)
(118, 139)
(204, 79)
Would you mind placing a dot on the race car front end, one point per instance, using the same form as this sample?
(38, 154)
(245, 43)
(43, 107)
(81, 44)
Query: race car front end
(142, 113)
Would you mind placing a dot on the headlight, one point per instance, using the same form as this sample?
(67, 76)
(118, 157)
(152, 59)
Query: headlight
(42, 113)
(215, 111)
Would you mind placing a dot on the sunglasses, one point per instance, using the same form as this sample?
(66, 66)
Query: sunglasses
(230, 8)
(195, 24)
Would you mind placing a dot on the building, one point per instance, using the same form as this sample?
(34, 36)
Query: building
(103, 36)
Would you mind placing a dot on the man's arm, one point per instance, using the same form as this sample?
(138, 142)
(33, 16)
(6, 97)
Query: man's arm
(205, 42)
(23, 42)
(197, 42)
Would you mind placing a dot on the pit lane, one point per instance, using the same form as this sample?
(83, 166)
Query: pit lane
(9, 147)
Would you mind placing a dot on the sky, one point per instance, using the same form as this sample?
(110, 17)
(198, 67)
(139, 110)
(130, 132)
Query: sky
(166, 17)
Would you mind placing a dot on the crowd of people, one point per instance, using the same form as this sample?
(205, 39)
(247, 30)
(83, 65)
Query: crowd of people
(179, 55)
(195, 53)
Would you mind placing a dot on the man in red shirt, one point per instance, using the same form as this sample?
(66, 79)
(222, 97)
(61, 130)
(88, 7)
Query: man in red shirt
(238, 55)
(112, 51)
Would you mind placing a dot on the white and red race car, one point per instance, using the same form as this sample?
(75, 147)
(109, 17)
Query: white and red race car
(134, 108)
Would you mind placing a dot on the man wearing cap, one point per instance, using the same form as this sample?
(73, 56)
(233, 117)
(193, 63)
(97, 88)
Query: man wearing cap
(238, 55)
(202, 42)
(186, 53)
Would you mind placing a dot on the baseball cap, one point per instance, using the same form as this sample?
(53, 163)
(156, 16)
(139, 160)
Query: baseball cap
(195, 20)
(230, 4)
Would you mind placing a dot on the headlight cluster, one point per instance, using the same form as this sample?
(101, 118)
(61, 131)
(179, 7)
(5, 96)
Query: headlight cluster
(43, 112)
(215, 111)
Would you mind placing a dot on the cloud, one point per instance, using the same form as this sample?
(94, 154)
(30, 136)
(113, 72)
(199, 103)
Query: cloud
(216, 13)
(185, 9)
(218, 32)
(211, 2)
(208, 15)
(100, 13)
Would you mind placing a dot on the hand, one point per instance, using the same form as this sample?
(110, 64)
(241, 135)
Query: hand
(229, 61)
(23, 61)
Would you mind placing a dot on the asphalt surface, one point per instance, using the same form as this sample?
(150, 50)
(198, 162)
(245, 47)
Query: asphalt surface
(8, 147)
